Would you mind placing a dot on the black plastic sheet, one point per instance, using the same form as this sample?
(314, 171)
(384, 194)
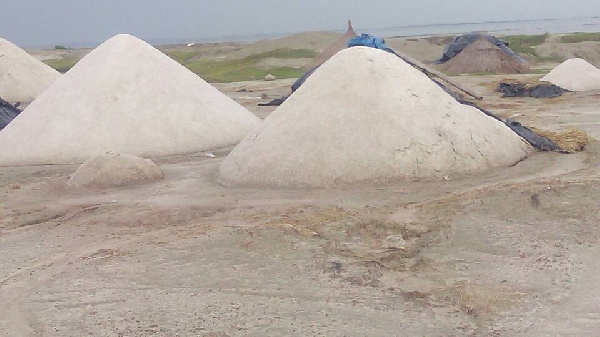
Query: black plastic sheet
(543, 90)
(7, 113)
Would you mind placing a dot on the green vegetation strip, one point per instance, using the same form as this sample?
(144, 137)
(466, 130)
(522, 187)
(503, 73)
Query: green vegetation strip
(222, 70)
(243, 69)
(524, 44)
(580, 37)
(63, 65)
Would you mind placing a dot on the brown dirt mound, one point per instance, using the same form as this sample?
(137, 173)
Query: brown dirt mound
(341, 43)
(482, 56)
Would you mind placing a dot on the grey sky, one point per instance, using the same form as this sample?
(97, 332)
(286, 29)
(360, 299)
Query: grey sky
(47, 22)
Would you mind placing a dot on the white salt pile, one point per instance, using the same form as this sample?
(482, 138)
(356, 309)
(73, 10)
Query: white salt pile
(111, 170)
(575, 75)
(129, 97)
(366, 116)
(22, 76)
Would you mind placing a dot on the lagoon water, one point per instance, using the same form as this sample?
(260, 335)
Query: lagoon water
(552, 26)
(588, 24)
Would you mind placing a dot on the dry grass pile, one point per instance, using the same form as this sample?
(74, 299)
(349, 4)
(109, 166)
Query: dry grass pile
(570, 140)
(482, 56)
(476, 299)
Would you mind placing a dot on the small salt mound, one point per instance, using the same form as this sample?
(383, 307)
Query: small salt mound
(126, 96)
(364, 116)
(575, 75)
(482, 56)
(22, 76)
(111, 170)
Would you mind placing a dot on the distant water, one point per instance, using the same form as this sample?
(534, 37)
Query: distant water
(529, 27)
(553, 26)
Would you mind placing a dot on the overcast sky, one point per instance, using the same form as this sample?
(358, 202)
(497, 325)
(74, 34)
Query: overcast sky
(47, 22)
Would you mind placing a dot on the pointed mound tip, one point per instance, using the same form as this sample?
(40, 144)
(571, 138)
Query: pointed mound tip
(124, 37)
(350, 28)
(123, 41)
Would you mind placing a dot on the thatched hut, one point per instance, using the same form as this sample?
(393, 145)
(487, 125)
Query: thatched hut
(482, 56)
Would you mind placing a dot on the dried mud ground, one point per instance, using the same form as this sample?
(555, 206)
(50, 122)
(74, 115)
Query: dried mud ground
(511, 252)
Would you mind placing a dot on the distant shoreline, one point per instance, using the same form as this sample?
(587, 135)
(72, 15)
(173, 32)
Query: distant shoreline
(505, 27)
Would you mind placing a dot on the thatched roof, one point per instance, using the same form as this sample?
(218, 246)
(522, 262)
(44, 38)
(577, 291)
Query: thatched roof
(337, 46)
(482, 56)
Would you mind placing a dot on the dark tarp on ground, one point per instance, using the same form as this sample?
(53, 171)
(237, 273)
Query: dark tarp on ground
(275, 102)
(542, 90)
(531, 137)
(461, 42)
(7, 113)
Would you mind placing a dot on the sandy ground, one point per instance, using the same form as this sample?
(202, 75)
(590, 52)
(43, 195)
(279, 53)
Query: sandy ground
(588, 50)
(512, 252)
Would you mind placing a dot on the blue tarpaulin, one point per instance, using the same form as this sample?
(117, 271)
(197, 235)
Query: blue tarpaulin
(366, 40)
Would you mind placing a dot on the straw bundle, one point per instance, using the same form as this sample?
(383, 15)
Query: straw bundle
(570, 140)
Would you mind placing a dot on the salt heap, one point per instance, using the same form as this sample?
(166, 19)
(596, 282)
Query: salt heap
(129, 97)
(22, 76)
(575, 75)
(365, 116)
(111, 169)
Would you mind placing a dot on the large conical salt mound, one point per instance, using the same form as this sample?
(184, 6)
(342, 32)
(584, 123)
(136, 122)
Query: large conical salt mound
(368, 116)
(575, 75)
(482, 56)
(22, 76)
(128, 97)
